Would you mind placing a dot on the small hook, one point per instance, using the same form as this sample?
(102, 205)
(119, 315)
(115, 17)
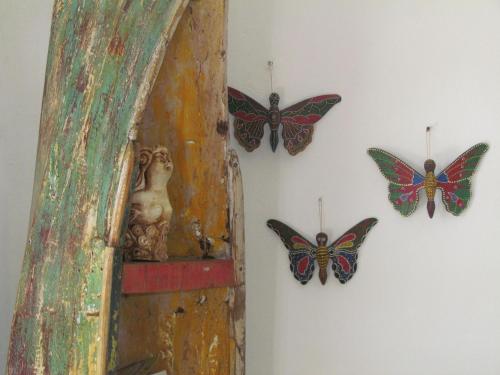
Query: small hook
(270, 65)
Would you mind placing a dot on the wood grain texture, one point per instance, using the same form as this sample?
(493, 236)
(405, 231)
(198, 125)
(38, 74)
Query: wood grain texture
(237, 305)
(185, 112)
(103, 57)
(187, 332)
(197, 332)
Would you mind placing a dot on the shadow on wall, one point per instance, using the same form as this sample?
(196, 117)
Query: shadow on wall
(248, 71)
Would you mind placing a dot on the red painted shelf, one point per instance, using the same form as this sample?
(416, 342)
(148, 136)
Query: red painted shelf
(178, 275)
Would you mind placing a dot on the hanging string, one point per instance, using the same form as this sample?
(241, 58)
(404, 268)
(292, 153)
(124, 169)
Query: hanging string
(270, 65)
(320, 206)
(428, 141)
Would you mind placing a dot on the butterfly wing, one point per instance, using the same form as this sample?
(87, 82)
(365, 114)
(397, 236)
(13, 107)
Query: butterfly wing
(300, 251)
(298, 121)
(404, 181)
(344, 251)
(248, 133)
(250, 119)
(454, 180)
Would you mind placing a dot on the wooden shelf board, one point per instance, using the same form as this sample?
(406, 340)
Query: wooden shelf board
(178, 275)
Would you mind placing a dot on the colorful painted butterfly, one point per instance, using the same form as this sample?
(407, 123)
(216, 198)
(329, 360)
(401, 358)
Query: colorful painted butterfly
(297, 120)
(343, 252)
(406, 182)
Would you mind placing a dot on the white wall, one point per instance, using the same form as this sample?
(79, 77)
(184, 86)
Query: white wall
(24, 36)
(426, 297)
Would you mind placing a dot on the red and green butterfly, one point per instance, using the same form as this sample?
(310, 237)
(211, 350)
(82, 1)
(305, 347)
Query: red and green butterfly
(343, 252)
(405, 182)
(298, 120)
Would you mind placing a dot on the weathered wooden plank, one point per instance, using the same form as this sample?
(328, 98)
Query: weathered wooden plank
(186, 112)
(237, 305)
(139, 278)
(187, 333)
(198, 332)
(103, 57)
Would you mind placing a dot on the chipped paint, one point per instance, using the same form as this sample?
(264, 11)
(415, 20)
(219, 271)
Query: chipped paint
(90, 101)
(183, 111)
(188, 343)
(198, 332)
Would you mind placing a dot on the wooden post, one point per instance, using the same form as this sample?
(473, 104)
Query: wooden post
(102, 63)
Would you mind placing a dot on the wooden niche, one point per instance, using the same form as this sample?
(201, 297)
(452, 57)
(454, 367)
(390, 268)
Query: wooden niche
(182, 304)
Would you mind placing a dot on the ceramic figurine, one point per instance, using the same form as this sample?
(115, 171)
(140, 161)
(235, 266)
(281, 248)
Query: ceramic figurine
(149, 222)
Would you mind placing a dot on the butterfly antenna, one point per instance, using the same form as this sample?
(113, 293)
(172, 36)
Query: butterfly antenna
(270, 65)
(428, 141)
(320, 208)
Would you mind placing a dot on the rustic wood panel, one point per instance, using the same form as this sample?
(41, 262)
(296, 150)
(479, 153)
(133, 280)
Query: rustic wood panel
(103, 57)
(187, 112)
(198, 332)
(186, 332)
(177, 276)
(237, 306)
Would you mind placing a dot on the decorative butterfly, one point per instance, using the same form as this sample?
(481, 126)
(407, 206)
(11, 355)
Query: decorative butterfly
(297, 120)
(405, 182)
(343, 252)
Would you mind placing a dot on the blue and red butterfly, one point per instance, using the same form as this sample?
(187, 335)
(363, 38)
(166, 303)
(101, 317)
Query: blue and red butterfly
(405, 182)
(303, 254)
(297, 120)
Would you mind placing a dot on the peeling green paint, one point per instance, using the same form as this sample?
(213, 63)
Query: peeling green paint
(99, 54)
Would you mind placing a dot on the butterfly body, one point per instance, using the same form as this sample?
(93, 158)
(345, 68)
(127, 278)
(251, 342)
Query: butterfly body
(274, 119)
(322, 256)
(297, 120)
(303, 254)
(430, 185)
(405, 182)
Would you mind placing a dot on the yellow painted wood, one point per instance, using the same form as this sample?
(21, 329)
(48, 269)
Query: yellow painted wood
(187, 112)
(188, 333)
(198, 332)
